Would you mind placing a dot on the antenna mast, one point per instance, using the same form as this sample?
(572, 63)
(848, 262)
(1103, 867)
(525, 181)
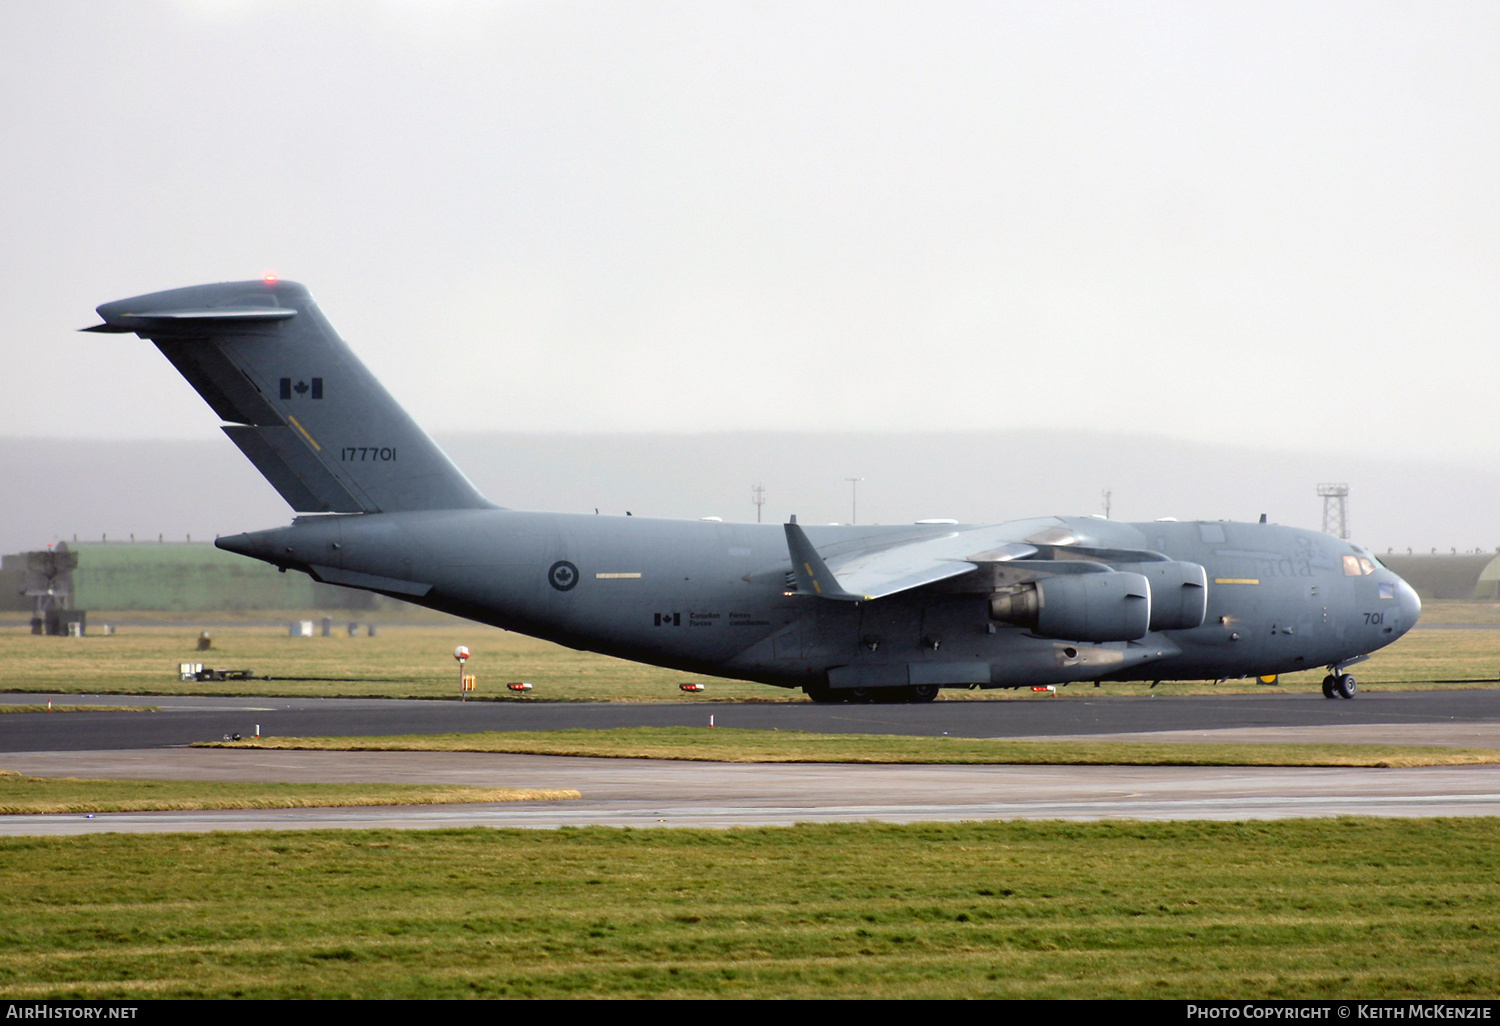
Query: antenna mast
(1335, 509)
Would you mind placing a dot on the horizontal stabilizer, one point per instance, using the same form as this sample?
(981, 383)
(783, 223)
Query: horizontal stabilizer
(122, 322)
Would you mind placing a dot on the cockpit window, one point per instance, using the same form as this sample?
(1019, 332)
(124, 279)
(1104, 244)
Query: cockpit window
(1366, 565)
(1356, 566)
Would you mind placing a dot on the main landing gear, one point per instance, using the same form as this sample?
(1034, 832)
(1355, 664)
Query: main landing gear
(1339, 685)
(865, 696)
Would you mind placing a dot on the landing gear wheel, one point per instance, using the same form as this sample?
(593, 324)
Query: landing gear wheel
(904, 696)
(860, 696)
(823, 696)
(1345, 687)
(1328, 687)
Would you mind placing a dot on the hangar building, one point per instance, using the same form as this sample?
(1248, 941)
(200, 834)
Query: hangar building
(172, 576)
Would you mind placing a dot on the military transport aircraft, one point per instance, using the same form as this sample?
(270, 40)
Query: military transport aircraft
(847, 613)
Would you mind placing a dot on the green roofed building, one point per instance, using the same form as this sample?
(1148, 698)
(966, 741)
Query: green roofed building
(1489, 581)
(1441, 575)
(180, 576)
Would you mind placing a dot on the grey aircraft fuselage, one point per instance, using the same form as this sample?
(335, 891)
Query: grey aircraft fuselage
(713, 598)
(852, 612)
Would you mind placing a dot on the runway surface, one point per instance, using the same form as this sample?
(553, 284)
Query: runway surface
(188, 719)
(647, 793)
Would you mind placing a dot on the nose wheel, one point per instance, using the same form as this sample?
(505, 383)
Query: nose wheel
(1340, 685)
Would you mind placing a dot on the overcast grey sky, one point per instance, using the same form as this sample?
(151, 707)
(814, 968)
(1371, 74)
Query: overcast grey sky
(1255, 224)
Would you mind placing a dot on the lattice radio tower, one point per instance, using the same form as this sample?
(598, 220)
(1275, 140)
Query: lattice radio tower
(1335, 509)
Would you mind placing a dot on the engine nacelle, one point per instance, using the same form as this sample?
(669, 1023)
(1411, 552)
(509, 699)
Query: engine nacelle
(1179, 593)
(1080, 606)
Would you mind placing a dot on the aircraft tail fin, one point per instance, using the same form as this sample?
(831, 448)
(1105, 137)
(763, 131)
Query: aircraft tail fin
(296, 399)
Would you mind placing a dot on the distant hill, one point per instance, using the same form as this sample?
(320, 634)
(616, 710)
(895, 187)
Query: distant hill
(57, 488)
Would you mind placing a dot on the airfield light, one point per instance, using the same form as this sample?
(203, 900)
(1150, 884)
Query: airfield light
(520, 686)
(691, 686)
(465, 682)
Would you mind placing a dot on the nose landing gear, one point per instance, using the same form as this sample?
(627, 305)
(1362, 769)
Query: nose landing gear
(1339, 685)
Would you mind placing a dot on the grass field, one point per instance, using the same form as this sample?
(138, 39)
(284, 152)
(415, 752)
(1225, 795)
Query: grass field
(416, 661)
(729, 745)
(59, 707)
(400, 661)
(22, 795)
(1304, 908)
(1298, 908)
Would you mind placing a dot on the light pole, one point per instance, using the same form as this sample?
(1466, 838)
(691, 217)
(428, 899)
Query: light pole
(854, 498)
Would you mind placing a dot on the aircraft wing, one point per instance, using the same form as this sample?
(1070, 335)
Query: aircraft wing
(860, 576)
(888, 568)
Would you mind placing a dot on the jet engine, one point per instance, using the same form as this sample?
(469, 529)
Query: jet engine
(1108, 606)
(1179, 593)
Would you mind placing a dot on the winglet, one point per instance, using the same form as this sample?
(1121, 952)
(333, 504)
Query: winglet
(812, 574)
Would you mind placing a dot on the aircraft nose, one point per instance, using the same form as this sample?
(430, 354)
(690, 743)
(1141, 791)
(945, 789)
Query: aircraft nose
(1411, 605)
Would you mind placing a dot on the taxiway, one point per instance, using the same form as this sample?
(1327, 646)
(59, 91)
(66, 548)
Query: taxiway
(651, 793)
